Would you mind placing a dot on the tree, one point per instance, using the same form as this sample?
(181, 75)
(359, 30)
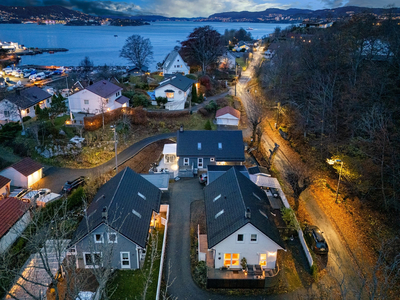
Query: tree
(195, 99)
(243, 35)
(161, 100)
(86, 65)
(203, 47)
(57, 107)
(254, 110)
(207, 126)
(137, 50)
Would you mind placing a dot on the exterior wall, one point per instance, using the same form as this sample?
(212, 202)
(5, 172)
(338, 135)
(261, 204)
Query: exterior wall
(35, 177)
(177, 66)
(77, 102)
(194, 160)
(17, 179)
(10, 237)
(5, 190)
(88, 244)
(179, 99)
(5, 105)
(227, 119)
(250, 250)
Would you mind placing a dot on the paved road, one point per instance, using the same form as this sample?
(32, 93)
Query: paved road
(56, 177)
(216, 97)
(340, 262)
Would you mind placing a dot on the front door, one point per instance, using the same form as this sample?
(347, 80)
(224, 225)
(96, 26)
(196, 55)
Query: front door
(200, 162)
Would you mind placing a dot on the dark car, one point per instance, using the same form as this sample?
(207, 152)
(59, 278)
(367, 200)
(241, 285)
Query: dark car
(71, 185)
(203, 178)
(317, 240)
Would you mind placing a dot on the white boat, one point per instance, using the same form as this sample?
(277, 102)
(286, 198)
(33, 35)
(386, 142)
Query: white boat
(249, 28)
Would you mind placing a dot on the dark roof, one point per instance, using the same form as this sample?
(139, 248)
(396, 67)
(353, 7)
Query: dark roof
(237, 194)
(179, 81)
(258, 169)
(128, 212)
(122, 100)
(232, 144)
(4, 181)
(137, 69)
(28, 97)
(11, 210)
(215, 171)
(27, 166)
(228, 110)
(103, 88)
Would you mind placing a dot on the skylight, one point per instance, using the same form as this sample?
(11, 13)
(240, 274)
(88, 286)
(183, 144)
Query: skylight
(137, 214)
(263, 214)
(198, 146)
(219, 213)
(216, 198)
(255, 195)
(220, 146)
(141, 195)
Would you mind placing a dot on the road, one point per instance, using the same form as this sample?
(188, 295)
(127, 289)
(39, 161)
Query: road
(56, 177)
(340, 264)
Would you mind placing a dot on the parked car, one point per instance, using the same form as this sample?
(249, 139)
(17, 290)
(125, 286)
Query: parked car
(203, 178)
(40, 76)
(73, 184)
(19, 193)
(317, 240)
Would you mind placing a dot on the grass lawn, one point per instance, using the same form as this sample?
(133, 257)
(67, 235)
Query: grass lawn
(242, 62)
(128, 284)
(60, 121)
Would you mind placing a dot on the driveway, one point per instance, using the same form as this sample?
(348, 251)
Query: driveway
(56, 177)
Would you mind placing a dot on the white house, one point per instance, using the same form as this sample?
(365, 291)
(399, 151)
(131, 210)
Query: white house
(227, 61)
(239, 223)
(4, 186)
(227, 116)
(15, 217)
(97, 98)
(24, 173)
(174, 63)
(176, 88)
(22, 104)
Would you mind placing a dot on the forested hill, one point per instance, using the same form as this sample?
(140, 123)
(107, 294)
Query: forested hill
(53, 12)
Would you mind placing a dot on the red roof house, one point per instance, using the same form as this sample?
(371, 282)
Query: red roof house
(24, 173)
(4, 186)
(227, 116)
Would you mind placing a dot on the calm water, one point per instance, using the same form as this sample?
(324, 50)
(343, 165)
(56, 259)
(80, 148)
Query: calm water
(99, 43)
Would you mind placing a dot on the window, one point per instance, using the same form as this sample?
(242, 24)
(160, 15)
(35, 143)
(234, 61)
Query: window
(263, 259)
(112, 237)
(98, 238)
(253, 238)
(177, 60)
(170, 158)
(240, 238)
(200, 162)
(86, 102)
(7, 113)
(186, 161)
(117, 94)
(169, 95)
(125, 260)
(92, 260)
(27, 111)
(72, 251)
(231, 259)
(212, 159)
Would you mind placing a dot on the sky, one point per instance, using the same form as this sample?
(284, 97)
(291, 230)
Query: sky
(193, 8)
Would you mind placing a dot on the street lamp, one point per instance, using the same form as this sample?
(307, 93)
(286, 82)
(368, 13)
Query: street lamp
(332, 162)
(114, 128)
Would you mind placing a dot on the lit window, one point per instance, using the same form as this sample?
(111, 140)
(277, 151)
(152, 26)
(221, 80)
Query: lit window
(240, 238)
(263, 260)
(86, 101)
(169, 95)
(231, 259)
(112, 238)
(253, 238)
(98, 238)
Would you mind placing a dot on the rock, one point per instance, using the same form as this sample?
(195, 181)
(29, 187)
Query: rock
(61, 132)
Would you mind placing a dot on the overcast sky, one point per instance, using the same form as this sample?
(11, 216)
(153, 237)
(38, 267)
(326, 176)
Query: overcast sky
(194, 8)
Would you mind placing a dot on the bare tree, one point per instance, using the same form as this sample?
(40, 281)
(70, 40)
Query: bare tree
(151, 258)
(86, 65)
(254, 110)
(168, 283)
(299, 178)
(137, 50)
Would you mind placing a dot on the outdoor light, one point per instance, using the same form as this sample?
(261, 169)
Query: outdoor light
(332, 162)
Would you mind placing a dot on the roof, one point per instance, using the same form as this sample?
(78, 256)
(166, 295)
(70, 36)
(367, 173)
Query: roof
(227, 199)
(258, 169)
(130, 201)
(228, 110)
(28, 97)
(215, 171)
(231, 143)
(170, 58)
(137, 69)
(169, 149)
(26, 166)
(159, 180)
(122, 100)
(103, 88)
(4, 181)
(179, 81)
(11, 210)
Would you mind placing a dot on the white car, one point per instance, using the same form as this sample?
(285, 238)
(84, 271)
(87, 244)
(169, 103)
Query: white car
(32, 77)
(40, 76)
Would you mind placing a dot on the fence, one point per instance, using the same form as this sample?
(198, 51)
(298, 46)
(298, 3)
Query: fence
(162, 251)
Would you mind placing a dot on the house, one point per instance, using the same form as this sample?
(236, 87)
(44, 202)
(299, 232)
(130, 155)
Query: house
(169, 162)
(22, 104)
(98, 98)
(117, 224)
(239, 223)
(24, 173)
(241, 47)
(227, 116)
(227, 61)
(4, 187)
(214, 171)
(198, 149)
(271, 51)
(15, 217)
(136, 71)
(176, 88)
(174, 63)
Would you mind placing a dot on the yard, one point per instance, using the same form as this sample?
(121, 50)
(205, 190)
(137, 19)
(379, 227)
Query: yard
(241, 62)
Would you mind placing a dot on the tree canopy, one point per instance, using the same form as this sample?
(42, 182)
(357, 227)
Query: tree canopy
(138, 51)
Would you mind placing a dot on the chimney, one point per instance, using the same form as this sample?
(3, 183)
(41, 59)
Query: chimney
(104, 214)
(248, 213)
(181, 128)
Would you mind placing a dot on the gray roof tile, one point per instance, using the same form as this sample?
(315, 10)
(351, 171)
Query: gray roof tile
(103, 88)
(179, 81)
(28, 97)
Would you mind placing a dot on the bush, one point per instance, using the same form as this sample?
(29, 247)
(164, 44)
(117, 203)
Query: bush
(9, 131)
(200, 274)
(207, 126)
(161, 100)
(191, 76)
(75, 200)
(202, 111)
(289, 217)
(139, 100)
(314, 271)
(222, 102)
(212, 106)
(27, 118)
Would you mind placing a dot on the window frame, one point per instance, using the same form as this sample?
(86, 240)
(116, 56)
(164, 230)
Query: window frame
(92, 265)
(256, 238)
(6, 113)
(86, 102)
(237, 238)
(186, 161)
(102, 238)
(116, 238)
(212, 159)
(198, 162)
(122, 260)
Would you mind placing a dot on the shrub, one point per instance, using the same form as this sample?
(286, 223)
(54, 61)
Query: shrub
(195, 99)
(207, 126)
(212, 106)
(24, 119)
(289, 217)
(191, 76)
(76, 199)
(139, 100)
(202, 111)
(161, 100)
(314, 271)
(222, 102)
(200, 274)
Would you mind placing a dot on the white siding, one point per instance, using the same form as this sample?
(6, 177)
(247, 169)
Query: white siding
(227, 119)
(179, 99)
(250, 250)
(15, 232)
(94, 106)
(177, 66)
(5, 189)
(17, 179)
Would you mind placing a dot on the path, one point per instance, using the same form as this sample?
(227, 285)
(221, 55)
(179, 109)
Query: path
(56, 177)
(209, 99)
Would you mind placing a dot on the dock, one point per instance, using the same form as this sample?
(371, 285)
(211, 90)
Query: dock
(36, 51)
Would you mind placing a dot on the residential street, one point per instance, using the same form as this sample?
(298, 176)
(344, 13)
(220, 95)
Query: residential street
(340, 264)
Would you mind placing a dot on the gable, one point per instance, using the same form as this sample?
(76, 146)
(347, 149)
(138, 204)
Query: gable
(227, 116)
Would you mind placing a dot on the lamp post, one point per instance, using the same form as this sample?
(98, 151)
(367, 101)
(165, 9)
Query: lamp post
(332, 162)
(114, 128)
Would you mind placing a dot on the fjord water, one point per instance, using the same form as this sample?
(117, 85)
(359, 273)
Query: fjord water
(100, 43)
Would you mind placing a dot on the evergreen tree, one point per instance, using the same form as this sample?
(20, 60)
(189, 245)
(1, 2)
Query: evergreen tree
(195, 99)
(57, 107)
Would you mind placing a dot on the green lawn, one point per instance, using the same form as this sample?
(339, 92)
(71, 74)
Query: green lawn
(242, 62)
(128, 284)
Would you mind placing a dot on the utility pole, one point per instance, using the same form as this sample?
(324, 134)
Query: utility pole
(340, 176)
(235, 77)
(69, 103)
(114, 128)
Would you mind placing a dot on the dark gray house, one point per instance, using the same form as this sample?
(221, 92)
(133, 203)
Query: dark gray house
(116, 228)
(198, 149)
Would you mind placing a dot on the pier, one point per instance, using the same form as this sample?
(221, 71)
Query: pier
(39, 51)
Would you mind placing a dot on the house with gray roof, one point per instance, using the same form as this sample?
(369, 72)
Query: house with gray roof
(174, 63)
(116, 227)
(240, 224)
(176, 88)
(199, 148)
(22, 104)
(98, 98)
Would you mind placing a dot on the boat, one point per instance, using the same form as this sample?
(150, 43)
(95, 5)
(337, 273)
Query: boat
(249, 28)
(115, 35)
(51, 52)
